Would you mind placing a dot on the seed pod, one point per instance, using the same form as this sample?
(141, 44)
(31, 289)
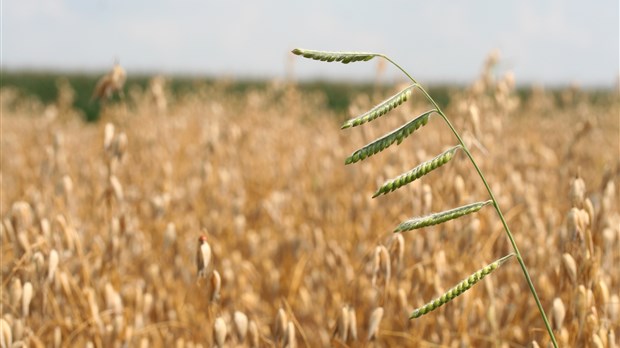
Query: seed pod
(15, 294)
(253, 335)
(117, 188)
(352, 325)
(219, 332)
(21, 216)
(290, 341)
(26, 299)
(559, 313)
(570, 266)
(108, 136)
(53, 265)
(342, 324)
(601, 293)
(381, 266)
(373, 323)
(216, 285)
(6, 336)
(577, 192)
(596, 341)
(203, 257)
(241, 325)
(279, 327)
(581, 304)
(18, 329)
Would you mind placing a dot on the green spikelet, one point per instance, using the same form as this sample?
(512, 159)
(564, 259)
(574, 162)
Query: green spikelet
(385, 141)
(381, 109)
(344, 57)
(438, 218)
(460, 288)
(417, 172)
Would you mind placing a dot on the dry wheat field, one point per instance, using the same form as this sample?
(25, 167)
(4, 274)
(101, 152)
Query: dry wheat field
(210, 220)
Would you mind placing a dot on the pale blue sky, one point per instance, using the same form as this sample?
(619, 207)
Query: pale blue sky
(543, 41)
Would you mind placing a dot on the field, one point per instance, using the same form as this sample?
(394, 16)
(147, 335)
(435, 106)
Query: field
(101, 220)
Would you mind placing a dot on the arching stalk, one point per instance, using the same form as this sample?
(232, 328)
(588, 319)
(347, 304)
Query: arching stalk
(382, 143)
(492, 196)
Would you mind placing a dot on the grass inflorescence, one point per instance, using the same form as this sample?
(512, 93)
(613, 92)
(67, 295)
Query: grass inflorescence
(441, 217)
(459, 288)
(381, 108)
(398, 135)
(417, 172)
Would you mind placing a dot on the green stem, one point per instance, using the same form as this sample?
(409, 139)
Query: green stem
(495, 203)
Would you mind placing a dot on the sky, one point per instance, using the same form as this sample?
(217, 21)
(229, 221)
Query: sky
(545, 42)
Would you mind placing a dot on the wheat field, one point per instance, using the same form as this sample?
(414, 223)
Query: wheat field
(102, 222)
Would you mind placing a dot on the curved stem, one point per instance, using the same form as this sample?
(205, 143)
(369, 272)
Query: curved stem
(495, 203)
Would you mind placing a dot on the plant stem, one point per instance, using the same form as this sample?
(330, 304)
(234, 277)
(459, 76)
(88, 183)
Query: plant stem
(495, 203)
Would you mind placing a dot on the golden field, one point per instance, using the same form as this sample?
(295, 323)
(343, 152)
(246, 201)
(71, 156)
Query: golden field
(101, 222)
